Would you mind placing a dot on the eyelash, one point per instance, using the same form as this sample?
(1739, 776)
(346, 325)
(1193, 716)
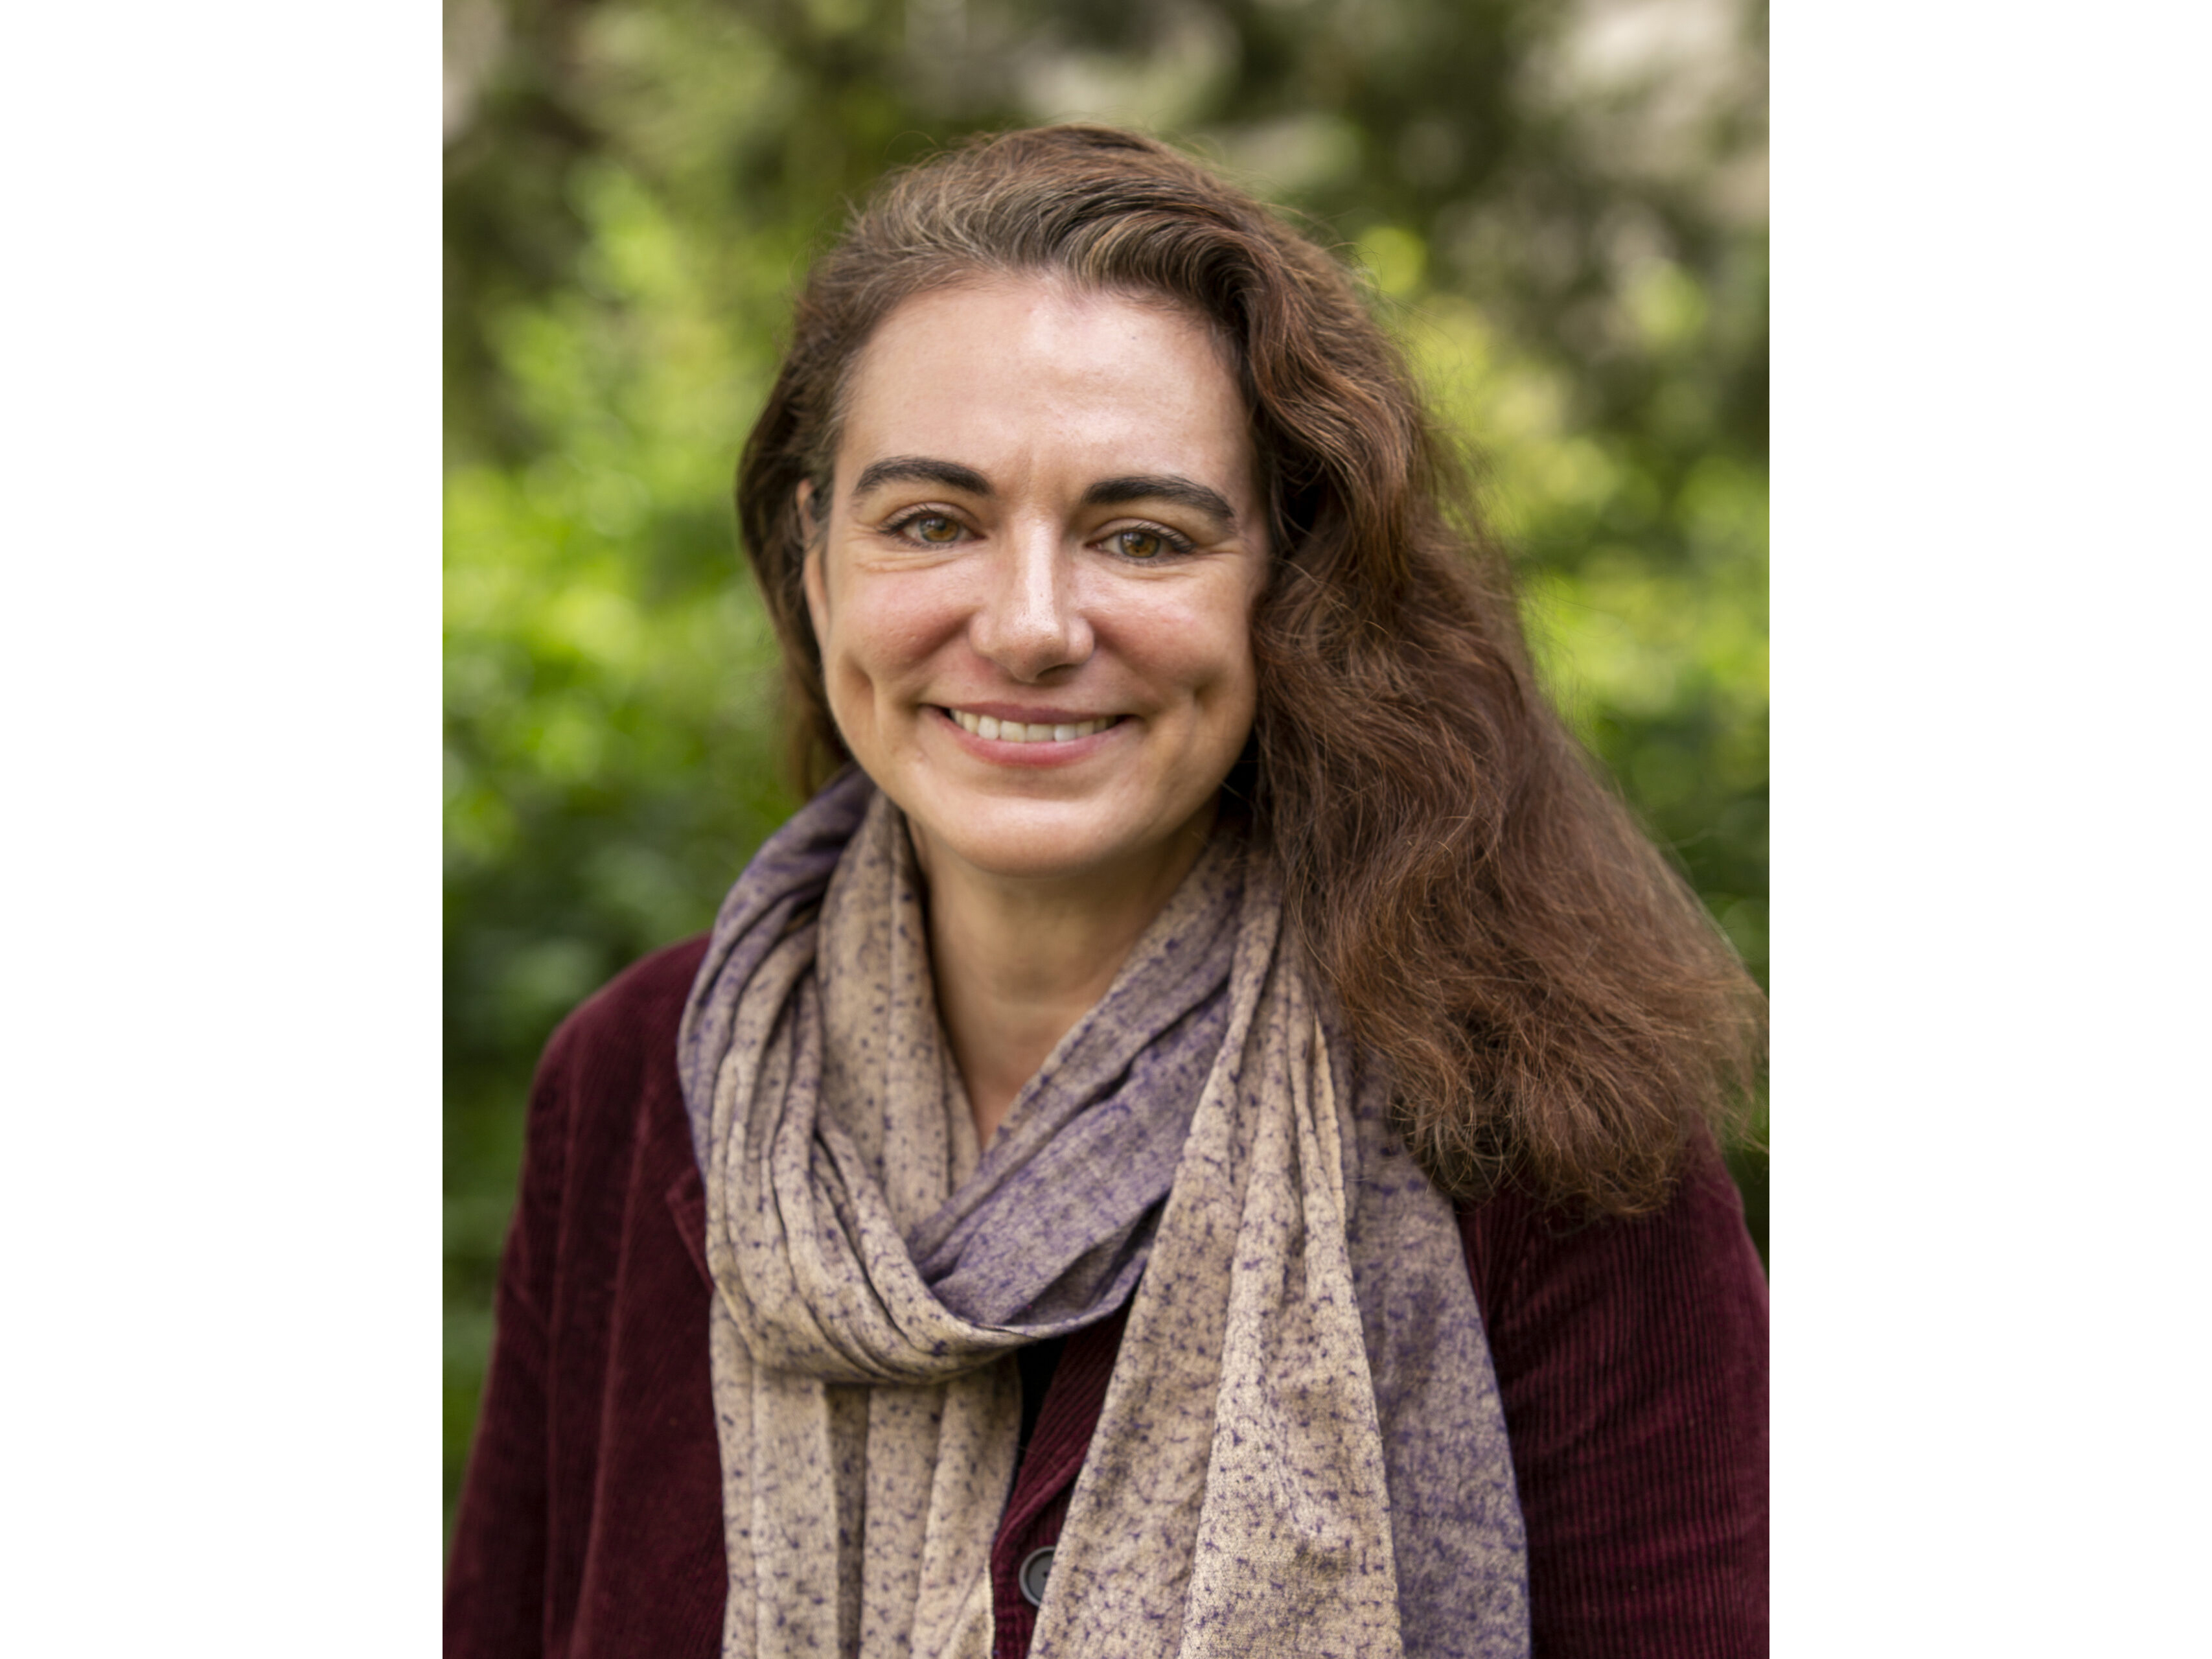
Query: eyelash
(1171, 544)
(905, 522)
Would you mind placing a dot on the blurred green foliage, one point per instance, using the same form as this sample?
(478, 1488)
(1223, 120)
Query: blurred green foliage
(1562, 210)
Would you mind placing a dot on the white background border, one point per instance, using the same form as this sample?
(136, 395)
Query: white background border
(220, 1053)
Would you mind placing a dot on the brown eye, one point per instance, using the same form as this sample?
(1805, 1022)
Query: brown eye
(1140, 544)
(936, 530)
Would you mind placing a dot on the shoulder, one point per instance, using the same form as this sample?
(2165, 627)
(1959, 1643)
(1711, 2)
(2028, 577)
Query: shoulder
(1520, 1250)
(627, 1028)
(1631, 1359)
(607, 1080)
(594, 1471)
(607, 1149)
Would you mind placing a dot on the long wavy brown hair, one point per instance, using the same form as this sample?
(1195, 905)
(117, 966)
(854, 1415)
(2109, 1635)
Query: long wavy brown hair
(1550, 1001)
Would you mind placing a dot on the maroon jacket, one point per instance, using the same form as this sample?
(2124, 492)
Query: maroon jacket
(1631, 1357)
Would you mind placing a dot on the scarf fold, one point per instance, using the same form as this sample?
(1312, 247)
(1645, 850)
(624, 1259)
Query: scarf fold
(1302, 1449)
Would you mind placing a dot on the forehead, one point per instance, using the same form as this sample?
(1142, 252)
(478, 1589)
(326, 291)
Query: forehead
(1031, 378)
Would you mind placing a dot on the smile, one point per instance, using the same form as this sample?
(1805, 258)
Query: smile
(998, 731)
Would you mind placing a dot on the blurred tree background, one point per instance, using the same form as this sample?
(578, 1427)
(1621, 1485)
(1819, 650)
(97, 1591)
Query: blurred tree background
(1560, 204)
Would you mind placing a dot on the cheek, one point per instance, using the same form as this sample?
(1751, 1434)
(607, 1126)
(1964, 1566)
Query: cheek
(882, 625)
(1240, 698)
(1228, 637)
(1202, 650)
(1234, 695)
(1229, 671)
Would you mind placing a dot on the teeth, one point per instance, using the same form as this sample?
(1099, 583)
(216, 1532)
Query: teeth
(983, 726)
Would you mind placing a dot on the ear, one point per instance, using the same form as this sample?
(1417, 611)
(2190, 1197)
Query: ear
(809, 569)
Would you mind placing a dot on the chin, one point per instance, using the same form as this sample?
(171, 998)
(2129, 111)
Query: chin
(1044, 840)
(1035, 846)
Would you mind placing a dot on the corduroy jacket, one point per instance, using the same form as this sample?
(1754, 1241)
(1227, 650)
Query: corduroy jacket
(1631, 1357)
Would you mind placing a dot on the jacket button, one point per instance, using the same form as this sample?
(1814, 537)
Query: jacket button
(1036, 1567)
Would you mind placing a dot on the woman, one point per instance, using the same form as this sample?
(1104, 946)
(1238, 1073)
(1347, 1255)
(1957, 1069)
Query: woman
(1194, 1140)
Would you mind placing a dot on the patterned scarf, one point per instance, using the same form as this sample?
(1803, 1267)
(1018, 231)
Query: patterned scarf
(1302, 1449)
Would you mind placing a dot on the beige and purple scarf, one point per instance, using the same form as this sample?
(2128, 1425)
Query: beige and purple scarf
(1301, 1449)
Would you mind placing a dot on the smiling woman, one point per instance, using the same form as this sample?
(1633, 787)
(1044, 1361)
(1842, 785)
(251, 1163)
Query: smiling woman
(1000, 1236)
(1037, 638)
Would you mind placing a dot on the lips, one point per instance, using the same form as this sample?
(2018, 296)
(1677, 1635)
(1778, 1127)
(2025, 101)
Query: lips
(997, 730)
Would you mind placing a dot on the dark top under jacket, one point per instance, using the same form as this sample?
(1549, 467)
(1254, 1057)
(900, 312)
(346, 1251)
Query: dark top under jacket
(1631, 1357)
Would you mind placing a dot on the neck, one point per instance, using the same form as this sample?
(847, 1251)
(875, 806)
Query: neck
(1019, 960)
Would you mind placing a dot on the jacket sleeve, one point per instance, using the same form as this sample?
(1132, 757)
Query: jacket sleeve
(1631, 1359)
(495, 1581)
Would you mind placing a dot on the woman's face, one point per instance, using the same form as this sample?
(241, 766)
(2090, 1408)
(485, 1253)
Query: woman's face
(1033, 590)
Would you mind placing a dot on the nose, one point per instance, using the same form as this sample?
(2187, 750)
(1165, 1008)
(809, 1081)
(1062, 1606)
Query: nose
(1031, 621)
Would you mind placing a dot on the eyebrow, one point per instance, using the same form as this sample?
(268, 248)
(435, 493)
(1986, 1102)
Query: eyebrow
(1184, 492)
(919, 469)
(1107, 492)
